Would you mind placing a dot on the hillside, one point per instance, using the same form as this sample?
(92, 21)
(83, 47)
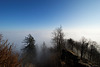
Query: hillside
(70, 59)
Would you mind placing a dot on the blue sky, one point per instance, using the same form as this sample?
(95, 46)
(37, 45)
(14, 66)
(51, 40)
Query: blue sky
(48, 14)
(78, 18)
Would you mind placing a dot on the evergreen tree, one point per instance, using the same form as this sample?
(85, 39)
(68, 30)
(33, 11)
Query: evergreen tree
(29, 51)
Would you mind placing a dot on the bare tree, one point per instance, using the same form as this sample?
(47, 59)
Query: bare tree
(58, 39)
(93, 50)
(59, 43)
(84, 45)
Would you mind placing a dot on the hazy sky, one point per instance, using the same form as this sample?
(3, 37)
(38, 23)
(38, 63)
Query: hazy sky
(77, 17)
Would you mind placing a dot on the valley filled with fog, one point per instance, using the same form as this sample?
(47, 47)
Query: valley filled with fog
(41, 36)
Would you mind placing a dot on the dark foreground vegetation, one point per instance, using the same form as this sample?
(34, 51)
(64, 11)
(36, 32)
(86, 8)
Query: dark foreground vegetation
(63, 53)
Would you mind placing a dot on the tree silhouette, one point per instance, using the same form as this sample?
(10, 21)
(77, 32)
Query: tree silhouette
(93, 50)
(84, 45)
(44, 49)
(44, 53)
(58, 39)
(29, 51)
(77, 47)
(59, 43)
(71, 43)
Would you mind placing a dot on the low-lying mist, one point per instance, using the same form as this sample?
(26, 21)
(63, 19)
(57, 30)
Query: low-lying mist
(17, 37)
(52, 49)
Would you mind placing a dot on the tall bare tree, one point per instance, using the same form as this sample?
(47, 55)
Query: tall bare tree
(58, 39)
(84, 45)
